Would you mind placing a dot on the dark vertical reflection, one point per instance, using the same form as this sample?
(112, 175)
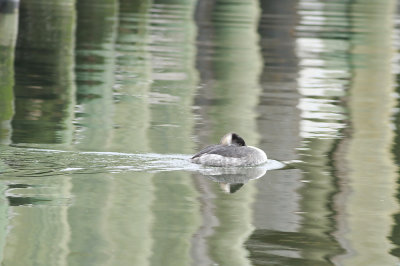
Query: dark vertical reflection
(44, 85)
(395, 233)
(278, 121)
(298, 94)
(279, 117)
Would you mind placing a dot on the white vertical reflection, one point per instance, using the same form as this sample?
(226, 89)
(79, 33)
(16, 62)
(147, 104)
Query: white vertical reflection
(320, 82)
(8, 37)
(372, 177)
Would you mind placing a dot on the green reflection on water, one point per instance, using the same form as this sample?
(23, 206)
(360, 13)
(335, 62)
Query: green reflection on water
(43, 92)
(372, 170)
(121, 76)
(233, 93)
(95, 51)
(8, 29)
(44, 87)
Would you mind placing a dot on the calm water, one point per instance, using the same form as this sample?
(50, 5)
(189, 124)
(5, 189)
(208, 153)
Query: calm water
(103, 101)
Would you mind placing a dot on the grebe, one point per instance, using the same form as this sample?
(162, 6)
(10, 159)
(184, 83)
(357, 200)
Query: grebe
(232, 151)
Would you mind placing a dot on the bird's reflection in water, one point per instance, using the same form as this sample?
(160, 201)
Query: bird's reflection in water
(232, 179)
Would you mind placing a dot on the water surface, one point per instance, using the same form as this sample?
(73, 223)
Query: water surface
(103, 102)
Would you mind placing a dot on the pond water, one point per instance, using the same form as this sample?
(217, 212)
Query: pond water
(102, 103)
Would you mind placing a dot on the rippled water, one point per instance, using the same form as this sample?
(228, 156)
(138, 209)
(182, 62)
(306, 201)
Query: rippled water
(103, 102)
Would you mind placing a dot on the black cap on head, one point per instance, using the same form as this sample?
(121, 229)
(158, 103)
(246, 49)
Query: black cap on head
(237, 140)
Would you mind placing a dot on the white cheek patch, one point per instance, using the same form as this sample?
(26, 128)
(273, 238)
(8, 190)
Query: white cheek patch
(227, 139)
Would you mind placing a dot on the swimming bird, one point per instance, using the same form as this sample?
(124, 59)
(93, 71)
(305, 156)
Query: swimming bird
(232, 151)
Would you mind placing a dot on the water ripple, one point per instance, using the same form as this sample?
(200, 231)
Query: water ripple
(35, 162)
